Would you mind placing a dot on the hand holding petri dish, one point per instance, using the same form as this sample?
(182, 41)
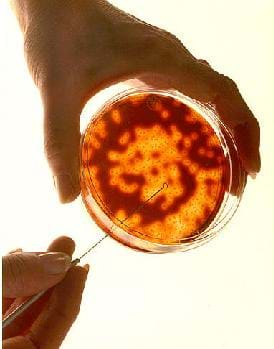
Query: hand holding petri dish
(159, 171)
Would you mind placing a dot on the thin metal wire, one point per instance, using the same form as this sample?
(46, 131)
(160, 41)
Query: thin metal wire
(25, 305)
(91, 248)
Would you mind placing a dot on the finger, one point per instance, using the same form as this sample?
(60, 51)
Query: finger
(16, 250)
(242, 123)
(62, 110)
(24, 321)
(203, 84)
(52, 325)
(6, 303)
(62, 244)
(233, 111)
(25, 274)
(203, 61)
(18, 342)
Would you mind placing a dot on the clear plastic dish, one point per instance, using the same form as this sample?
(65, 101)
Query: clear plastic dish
(159, 171)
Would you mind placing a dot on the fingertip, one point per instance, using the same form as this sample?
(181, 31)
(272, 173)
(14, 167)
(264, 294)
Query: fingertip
(75, 279)
(63, 244)
(247, 137)
(16, 250)
(79, 272)
(253, 175)
(87, 267)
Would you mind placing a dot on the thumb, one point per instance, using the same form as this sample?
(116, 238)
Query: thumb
(62, 109)
(25, 274)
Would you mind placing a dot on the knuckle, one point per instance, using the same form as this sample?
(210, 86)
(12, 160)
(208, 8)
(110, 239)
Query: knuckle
(54, 140)
(53, 147)
(61, 140)
(230, 83)
(174, 44)
(67, 314)
(227, 83)
(60, 137)
(31, 338)
(255, 126)
(172, 38)
(204, 61)
(58, 130)
(13, 268)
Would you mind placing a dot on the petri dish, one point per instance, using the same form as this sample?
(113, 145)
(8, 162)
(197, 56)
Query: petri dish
(159, 171)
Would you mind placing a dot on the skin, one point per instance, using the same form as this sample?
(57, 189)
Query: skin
(45, 324)
(74, 48)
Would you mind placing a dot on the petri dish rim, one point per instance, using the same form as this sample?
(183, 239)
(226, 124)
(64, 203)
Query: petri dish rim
(229, 203)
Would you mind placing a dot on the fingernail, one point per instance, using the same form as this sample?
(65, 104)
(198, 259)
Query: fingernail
(64, 186)
(17, 250)
(253, 175)
(55, 262)
(86, 266)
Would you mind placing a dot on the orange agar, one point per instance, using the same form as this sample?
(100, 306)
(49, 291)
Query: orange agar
(155, 167)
